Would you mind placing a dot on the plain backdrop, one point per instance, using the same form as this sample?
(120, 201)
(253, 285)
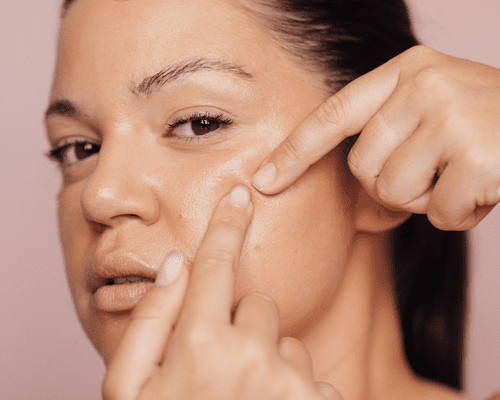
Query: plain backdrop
(44, 353)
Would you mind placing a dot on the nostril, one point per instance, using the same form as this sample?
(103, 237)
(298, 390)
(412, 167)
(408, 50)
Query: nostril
(116, 188)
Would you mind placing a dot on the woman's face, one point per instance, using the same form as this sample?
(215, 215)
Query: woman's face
(152, 187)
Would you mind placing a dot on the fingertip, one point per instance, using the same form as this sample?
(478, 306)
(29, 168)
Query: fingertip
(239, 197)
(271, 180)
(170, 268)
(264, 177)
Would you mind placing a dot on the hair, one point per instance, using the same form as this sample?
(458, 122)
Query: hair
(342, 40)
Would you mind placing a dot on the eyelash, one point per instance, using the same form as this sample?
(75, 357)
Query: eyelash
(197, 116)
(57, 154)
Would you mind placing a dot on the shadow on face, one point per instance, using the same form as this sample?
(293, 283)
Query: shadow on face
(159, 108)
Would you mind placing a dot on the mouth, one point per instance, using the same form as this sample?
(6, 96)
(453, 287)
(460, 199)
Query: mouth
(122, 280)
(121, 293)
(117, 282)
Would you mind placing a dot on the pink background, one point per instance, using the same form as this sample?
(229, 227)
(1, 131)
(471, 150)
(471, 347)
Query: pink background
(43, 351)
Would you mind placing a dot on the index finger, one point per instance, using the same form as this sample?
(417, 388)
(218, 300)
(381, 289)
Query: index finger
(210, 292)
(342, 115)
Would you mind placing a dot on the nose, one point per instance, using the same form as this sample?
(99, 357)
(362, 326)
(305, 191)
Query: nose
(121, 185)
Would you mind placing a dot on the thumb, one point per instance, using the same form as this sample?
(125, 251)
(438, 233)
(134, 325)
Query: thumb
(141, 348)
(328, 391)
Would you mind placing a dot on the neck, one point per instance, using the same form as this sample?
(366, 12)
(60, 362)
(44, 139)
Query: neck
(357, 345)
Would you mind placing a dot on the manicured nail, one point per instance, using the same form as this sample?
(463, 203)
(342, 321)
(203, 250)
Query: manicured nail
(264, 176)
(239, 197)
(170, 268)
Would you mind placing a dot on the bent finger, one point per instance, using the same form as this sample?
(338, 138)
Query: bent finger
(210, 293)
(342, 115)
(408, 176)
(461, 198)
(389, 128)
(141, 348)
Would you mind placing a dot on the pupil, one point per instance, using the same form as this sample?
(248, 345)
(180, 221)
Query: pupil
(204, 126)
(84, 150)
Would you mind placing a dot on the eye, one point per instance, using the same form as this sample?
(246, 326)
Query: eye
(197, 126)
(72, 151)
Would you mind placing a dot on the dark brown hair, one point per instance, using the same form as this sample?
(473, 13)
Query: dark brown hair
(342, 40)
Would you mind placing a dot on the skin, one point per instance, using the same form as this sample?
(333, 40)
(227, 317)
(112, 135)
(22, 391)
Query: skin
(145, 194)
(172, 210)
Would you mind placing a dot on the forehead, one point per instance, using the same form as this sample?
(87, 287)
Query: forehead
(152, 31)
(110, 42)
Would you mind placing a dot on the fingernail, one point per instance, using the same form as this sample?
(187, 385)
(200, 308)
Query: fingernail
(239, 197)
(170, 268)
(264, 176)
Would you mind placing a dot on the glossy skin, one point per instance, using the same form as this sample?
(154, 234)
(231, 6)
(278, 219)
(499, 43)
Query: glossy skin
(147, 195)
(318, 247)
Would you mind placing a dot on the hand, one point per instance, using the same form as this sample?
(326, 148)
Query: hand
(429, 142)
(186, 346)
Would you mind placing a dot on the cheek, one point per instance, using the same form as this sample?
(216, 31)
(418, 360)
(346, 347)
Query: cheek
(298, 240)
(297, 244)
(207, 181)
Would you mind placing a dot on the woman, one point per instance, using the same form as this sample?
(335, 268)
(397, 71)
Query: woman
(161, 113)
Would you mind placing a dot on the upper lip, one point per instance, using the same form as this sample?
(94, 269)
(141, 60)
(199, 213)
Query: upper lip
(101, 269)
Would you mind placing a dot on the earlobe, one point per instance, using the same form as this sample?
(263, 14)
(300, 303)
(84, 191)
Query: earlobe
(372, 217)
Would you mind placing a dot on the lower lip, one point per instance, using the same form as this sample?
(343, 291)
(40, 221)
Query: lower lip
(115, 298)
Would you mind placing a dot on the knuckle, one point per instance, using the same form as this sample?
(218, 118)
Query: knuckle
(257, 356)
(231, 221)
(293, 148)
(431, 81)
(452, 123)
(477, 160)
(332, 112)
(418, 51)
(199, 338)
(357, 163)
(217, 257)
(253, 347)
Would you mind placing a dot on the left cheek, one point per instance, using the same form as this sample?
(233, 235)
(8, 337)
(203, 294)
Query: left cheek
(207, 181)
(298, 240)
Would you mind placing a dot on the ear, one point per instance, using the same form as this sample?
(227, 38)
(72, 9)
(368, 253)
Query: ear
(372, 217)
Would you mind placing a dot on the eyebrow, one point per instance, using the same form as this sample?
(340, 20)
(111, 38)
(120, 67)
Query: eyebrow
(155, 82)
